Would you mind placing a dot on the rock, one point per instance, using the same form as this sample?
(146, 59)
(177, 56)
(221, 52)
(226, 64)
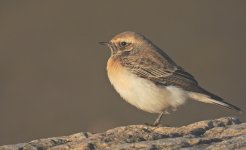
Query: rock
(223, 133)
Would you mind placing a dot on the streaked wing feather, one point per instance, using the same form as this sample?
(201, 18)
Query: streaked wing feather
(159, 73)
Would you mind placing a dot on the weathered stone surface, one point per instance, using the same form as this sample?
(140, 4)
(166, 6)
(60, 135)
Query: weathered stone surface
(223, 133)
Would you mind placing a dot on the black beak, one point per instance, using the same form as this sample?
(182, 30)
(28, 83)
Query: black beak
(110, 45)
(104, 43)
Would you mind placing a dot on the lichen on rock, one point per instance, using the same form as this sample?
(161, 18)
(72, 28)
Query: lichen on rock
(223, 133)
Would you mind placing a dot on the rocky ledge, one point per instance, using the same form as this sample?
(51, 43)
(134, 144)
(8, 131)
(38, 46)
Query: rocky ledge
(223, 133)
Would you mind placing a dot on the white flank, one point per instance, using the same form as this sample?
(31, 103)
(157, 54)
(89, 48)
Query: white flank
(144, 94)
(205, 98)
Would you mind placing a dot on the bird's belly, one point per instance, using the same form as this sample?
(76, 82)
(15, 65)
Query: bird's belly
(143, 93)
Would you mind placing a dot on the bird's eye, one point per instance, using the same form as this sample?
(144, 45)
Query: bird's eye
(123, 43)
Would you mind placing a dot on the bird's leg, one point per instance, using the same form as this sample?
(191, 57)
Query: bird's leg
(158, 120)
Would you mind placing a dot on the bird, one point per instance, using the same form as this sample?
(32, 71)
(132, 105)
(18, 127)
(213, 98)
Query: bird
(147, 78)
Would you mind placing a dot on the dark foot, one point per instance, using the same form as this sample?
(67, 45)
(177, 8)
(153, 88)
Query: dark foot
(157, 125)
(153, 125)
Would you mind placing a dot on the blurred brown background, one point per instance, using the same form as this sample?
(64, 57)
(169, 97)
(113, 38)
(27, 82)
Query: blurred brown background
(53, 80)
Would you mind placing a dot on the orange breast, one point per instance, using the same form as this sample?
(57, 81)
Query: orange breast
(113, 65)
(118, 75)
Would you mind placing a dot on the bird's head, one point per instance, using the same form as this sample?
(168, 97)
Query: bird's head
(126, 43)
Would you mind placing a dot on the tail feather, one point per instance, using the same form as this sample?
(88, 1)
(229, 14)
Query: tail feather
(212, 99)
